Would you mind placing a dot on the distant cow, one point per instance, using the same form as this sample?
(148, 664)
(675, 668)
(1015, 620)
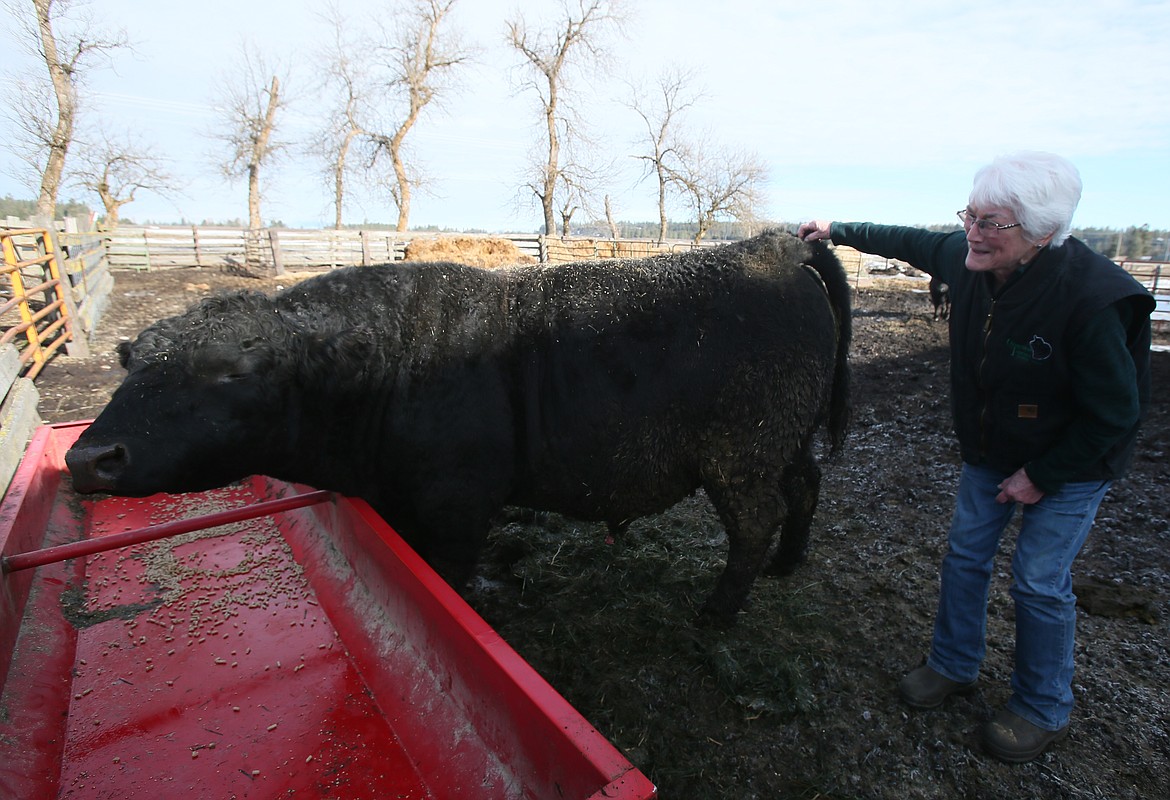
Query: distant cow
(940, 298)
(441, 393)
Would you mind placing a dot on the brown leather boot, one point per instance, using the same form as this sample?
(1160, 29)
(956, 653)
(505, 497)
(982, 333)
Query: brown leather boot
(923, 688)
(1011, 738)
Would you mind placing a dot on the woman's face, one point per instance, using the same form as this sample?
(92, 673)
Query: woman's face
(999, 252)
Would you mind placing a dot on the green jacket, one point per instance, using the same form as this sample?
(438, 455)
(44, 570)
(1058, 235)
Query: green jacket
(1051, 371)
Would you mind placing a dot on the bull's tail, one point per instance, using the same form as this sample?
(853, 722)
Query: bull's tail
(833, 275)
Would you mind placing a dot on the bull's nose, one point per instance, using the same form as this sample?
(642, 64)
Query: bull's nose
(96, 468)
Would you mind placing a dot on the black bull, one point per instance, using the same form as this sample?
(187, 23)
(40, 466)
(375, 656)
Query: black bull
(442, 393)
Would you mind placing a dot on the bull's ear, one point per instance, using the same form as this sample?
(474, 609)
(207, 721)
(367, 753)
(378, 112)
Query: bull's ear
(123, 350)
(221, 362)
(347, 355)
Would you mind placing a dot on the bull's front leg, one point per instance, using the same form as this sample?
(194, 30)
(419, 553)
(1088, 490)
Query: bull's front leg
(449, 533)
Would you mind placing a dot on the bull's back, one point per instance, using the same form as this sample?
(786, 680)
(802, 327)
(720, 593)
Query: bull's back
(641, 375)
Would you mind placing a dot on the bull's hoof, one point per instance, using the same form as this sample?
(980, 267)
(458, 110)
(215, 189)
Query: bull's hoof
(721, 613)
(781, 567)
(457, 574)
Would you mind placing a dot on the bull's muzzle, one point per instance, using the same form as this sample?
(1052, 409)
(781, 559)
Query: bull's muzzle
(96, 468)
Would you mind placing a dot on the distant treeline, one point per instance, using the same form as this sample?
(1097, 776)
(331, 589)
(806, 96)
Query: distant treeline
(1135, 243)
(25, 209)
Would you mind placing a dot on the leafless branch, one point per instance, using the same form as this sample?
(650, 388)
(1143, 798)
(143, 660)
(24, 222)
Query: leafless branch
(117, 169)
(547, 56)
(719, 183)
(660, 115)
(249, 105)
(419, 59)
(69, 43)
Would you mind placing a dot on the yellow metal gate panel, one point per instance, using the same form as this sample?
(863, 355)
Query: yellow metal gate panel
(34, 314)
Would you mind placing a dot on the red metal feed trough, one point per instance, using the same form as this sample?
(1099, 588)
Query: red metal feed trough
(306, 653)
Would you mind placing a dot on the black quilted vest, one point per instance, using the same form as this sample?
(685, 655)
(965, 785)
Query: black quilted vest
(1010, 379)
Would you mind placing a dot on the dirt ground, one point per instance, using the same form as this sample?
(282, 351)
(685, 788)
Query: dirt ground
(798, 699)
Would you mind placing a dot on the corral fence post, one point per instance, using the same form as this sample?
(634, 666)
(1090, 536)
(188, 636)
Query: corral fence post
(364, 238)
(277, 257)
(146, 246)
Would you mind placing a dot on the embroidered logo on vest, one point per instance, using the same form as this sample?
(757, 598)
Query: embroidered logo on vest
(1037, 349)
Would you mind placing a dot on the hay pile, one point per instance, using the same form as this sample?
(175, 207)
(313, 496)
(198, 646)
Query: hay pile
(474, 250)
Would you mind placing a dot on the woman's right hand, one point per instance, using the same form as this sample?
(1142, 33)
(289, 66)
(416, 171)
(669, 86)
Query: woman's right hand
(813, 230)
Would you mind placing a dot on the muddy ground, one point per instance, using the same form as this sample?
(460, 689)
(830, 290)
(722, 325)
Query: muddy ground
(798, 700)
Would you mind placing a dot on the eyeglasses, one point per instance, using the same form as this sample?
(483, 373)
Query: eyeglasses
(984, 225)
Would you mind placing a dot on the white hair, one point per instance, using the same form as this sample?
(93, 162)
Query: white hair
(1042, 189)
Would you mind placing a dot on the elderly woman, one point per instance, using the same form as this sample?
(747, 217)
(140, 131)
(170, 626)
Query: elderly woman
(1049, 372)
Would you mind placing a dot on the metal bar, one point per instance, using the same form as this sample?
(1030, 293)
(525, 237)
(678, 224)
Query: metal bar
(50, 555)
(40, 261)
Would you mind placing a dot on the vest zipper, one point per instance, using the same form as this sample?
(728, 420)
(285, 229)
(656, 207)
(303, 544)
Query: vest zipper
(985, 400)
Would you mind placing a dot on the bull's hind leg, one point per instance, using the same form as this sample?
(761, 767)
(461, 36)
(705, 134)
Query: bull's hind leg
(802, 488)
(750, 514)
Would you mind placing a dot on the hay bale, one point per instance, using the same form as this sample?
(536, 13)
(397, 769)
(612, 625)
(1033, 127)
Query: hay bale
(474, 250)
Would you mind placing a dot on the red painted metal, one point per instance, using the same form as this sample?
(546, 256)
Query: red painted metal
(309, 654)
(87, 547)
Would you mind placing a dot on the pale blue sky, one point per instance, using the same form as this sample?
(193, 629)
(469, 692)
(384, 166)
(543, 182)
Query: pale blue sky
(861, 110)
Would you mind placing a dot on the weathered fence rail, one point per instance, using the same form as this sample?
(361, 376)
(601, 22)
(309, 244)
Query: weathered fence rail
(279, 250)
(90, 281)
(271, 251)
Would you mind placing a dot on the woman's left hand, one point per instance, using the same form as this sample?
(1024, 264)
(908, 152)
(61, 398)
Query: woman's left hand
(1019, 489)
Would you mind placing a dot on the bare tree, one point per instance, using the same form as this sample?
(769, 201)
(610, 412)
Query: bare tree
(579, 186)
(549, 55)
(249, 106)
(419, 61)
(609, 220)
(347, 82)
(117, 169)
(719, 183)
(661, 118)
(68, 45)
(572, 201)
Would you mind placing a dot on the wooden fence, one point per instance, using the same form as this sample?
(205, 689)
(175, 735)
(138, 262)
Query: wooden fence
(279, 250)
(88, 269)
(271, 251)
(1155, 276)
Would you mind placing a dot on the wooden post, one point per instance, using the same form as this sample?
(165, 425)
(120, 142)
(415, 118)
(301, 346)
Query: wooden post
(364, 235)
(277, 258)
(195, 236)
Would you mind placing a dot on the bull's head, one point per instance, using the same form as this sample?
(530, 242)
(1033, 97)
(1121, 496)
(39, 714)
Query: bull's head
(198, 404)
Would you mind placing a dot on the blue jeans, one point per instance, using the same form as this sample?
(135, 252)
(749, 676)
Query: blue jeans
(1051, 534)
